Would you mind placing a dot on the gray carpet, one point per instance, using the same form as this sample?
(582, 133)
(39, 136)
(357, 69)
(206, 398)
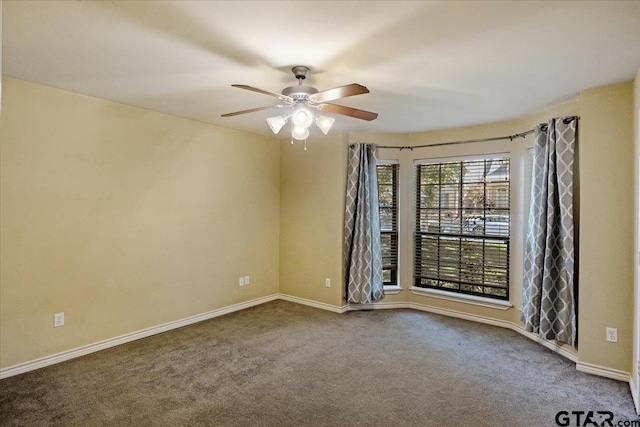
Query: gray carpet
(283, 364)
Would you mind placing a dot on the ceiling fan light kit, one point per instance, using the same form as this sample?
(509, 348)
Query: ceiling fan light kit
(299, 133)
(302, 116)
(276, 123)
(302, 100)
(325, 123)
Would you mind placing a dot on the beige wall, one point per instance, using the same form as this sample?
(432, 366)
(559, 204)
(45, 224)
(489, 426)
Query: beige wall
(606, 240)
(311, 220)
(125, 219)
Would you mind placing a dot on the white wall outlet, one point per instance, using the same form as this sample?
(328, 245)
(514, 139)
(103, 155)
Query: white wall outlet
(58, 320)
(612, 335)
(327, 282)
(246, 280)
(241, 281)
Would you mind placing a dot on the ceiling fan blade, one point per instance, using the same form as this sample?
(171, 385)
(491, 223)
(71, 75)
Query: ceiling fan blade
(348, 111)
(339, 92)
(266, 92)
(235, 113)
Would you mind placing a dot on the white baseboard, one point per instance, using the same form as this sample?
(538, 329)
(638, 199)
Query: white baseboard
(376, 306)
(460, 315)
(549, 344)
(563, 351)
(123, 339)
(423, 307)
(315, 304)
(633, 385)
(500, 323)
(603, 371)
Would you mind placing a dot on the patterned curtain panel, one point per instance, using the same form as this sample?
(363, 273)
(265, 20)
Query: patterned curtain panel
(549, 306)
(363, 257)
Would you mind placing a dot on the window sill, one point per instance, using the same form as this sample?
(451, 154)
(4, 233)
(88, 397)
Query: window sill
(392, 289)
(461, 298)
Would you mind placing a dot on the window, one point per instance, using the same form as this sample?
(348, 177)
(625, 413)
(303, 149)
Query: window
(462, 226)
(388, 206)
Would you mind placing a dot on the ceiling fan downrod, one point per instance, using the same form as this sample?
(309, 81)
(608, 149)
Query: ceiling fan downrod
(299, 94)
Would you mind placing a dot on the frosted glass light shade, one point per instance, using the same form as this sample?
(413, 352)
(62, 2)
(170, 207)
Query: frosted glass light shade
(276, 123)
(302, 117)
(325, 123)
(300, 132)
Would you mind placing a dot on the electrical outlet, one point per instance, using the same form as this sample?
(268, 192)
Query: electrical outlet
(241, 281)
(327, 282)
(612, 335)
(246, 280)
(58, 320)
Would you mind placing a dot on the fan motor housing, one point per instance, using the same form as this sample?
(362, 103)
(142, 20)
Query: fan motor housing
(299, 93)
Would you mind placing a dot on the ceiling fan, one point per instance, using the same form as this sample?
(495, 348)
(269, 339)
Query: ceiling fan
(299, 101)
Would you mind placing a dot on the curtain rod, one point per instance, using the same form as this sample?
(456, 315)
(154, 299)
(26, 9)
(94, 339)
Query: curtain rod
(467, 141)
(496, 138)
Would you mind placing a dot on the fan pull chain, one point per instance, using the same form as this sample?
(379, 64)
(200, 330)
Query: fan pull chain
(305, 145)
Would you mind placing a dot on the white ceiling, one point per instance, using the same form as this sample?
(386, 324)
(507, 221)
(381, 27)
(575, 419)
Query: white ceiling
(428, 65)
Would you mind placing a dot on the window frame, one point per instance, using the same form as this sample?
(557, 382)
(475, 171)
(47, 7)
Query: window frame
(394, 281)
(462, 237)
